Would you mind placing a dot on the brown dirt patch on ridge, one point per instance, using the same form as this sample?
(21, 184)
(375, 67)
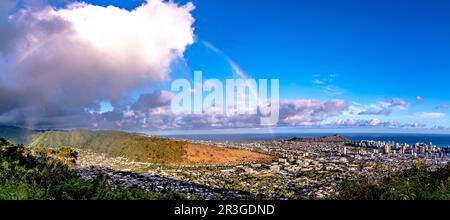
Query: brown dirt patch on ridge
(197, 154)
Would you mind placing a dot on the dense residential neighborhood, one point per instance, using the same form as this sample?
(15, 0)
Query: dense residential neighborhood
(300, 169)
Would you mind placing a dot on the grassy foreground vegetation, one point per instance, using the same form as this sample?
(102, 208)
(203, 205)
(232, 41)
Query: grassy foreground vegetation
(416, 183)
(115, 143)
(45, 174)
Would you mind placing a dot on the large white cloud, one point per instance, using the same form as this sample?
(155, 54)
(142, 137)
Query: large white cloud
(56, 63)
(143, 41)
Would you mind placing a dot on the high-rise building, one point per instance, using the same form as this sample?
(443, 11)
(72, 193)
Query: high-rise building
(387, 149)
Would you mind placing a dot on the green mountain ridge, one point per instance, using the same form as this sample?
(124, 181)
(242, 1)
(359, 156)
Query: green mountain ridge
(114, 143)
(16, 135)
(134, 146)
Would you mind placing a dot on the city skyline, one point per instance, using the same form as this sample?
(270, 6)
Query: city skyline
(358, 65)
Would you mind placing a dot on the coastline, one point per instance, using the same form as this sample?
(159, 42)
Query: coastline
(441, 140)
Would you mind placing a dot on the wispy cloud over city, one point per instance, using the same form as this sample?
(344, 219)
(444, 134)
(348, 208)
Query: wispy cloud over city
(379, 108)
(430, 115)
(327, 84)
(443, 107)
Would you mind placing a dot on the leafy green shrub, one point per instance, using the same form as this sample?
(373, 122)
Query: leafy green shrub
(416, 183)
(24, 176)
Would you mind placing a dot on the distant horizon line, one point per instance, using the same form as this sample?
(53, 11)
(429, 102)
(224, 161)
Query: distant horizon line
(283, 130)
(265, 130)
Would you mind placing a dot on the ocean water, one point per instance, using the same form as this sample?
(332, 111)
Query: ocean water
(441, 140)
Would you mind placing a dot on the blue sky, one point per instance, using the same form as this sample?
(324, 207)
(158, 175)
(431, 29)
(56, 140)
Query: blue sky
(378, 48)
(365, 51)
(389, 60)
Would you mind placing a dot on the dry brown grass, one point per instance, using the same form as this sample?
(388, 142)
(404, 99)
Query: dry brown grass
(197, 154)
